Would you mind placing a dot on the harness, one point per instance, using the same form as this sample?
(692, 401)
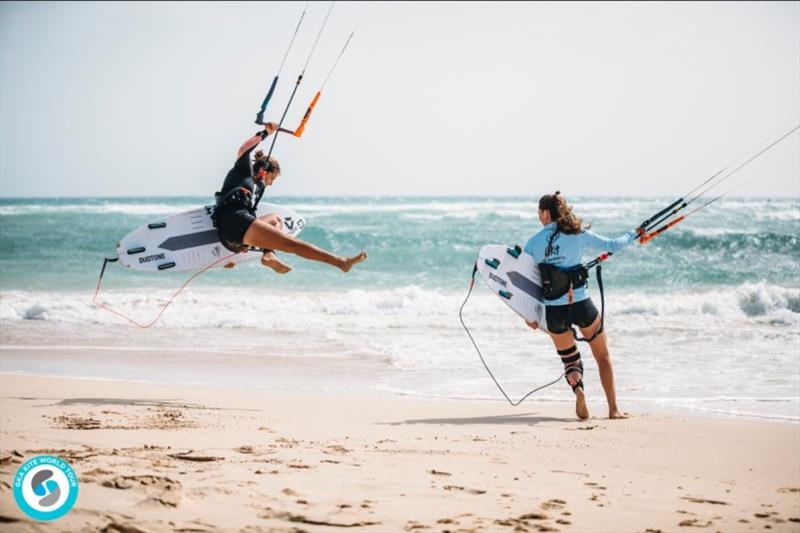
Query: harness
(236, 198)
(556, 282)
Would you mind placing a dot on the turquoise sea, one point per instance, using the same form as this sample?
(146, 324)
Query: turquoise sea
(704, 318)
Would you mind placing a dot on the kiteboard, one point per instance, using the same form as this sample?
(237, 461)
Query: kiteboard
(514, 277)
(188, 241)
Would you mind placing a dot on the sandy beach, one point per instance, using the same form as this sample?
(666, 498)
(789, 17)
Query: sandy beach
(629, 168)
(163, 458)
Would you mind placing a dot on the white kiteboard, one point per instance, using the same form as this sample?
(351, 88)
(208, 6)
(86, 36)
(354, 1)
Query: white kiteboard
(188, 241)
(514, 277)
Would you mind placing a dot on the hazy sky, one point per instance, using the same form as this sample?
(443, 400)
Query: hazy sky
(431, 98)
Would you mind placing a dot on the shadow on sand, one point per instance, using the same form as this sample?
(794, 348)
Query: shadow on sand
(129, 402)
(522, 419)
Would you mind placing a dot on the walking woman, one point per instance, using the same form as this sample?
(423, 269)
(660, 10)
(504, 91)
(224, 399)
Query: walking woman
(239, 229)
(558, 250)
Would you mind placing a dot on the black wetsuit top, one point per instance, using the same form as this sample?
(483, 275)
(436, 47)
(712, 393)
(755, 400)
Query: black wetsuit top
(234, 212)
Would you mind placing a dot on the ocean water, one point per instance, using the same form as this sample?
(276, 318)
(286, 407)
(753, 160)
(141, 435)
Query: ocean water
(704, 319)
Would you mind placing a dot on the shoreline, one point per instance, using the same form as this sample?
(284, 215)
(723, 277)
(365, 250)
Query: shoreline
(315, 462)
(304, 384)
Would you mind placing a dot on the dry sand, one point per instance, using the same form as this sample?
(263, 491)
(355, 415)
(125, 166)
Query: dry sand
(162, 458)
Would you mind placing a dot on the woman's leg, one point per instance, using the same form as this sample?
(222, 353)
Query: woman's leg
(263, 235)
(268, 258)
(570, 356)
(599, 348)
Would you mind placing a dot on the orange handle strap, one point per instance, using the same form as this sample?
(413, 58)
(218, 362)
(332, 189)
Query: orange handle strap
(299, 130)
(650, 236)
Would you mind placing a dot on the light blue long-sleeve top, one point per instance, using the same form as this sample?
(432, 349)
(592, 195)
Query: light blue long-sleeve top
(567, 251)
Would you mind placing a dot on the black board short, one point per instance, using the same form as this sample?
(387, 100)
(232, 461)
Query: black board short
(232, 224)
(560, 318)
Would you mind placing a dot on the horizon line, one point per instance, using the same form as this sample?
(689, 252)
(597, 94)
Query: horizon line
(78, 197)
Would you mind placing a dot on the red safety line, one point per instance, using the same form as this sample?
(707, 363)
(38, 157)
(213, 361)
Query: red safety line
(158, 316)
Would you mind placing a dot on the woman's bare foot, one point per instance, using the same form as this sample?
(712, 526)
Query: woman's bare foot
(352, 261)
(270, 260)
(616, 415)
(580, 404)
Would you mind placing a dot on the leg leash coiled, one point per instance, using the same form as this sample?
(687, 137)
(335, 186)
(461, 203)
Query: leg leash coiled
(480, 355)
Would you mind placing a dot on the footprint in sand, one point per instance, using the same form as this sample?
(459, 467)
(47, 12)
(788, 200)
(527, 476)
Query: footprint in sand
(90, 476)
(553, 504)
(704, 500)
(187, 456)
(76, 422)
(336, 449)
(522, 522)
(464, 489)
(160, 490)
(694, 522)
(297, 518)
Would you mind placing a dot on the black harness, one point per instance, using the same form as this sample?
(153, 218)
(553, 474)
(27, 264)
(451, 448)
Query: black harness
(556, 282)
(237, 198)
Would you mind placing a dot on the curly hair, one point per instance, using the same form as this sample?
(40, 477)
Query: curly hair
(561, 213)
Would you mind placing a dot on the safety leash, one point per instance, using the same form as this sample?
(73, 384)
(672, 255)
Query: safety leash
(164, 308)
(480, 355)
(595, 263)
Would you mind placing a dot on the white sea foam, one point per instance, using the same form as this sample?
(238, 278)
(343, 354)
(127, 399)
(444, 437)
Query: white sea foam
(715, 349)
(221, 307)
(766, 210)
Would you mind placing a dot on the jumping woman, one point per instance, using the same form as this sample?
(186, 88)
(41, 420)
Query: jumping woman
(558, 250)
(239, 229)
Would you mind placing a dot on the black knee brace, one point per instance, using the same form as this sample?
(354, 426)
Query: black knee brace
(571, 358)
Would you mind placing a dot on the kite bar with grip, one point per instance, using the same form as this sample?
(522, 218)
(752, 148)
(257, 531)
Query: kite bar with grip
(650, 220)
(299, 130)
(652, 235)
(260, 115)
(671, 213)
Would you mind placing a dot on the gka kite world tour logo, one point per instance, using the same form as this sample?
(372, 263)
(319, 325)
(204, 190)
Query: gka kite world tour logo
(45, 487)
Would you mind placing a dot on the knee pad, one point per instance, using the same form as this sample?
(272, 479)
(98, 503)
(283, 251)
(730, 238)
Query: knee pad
(571, 358)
